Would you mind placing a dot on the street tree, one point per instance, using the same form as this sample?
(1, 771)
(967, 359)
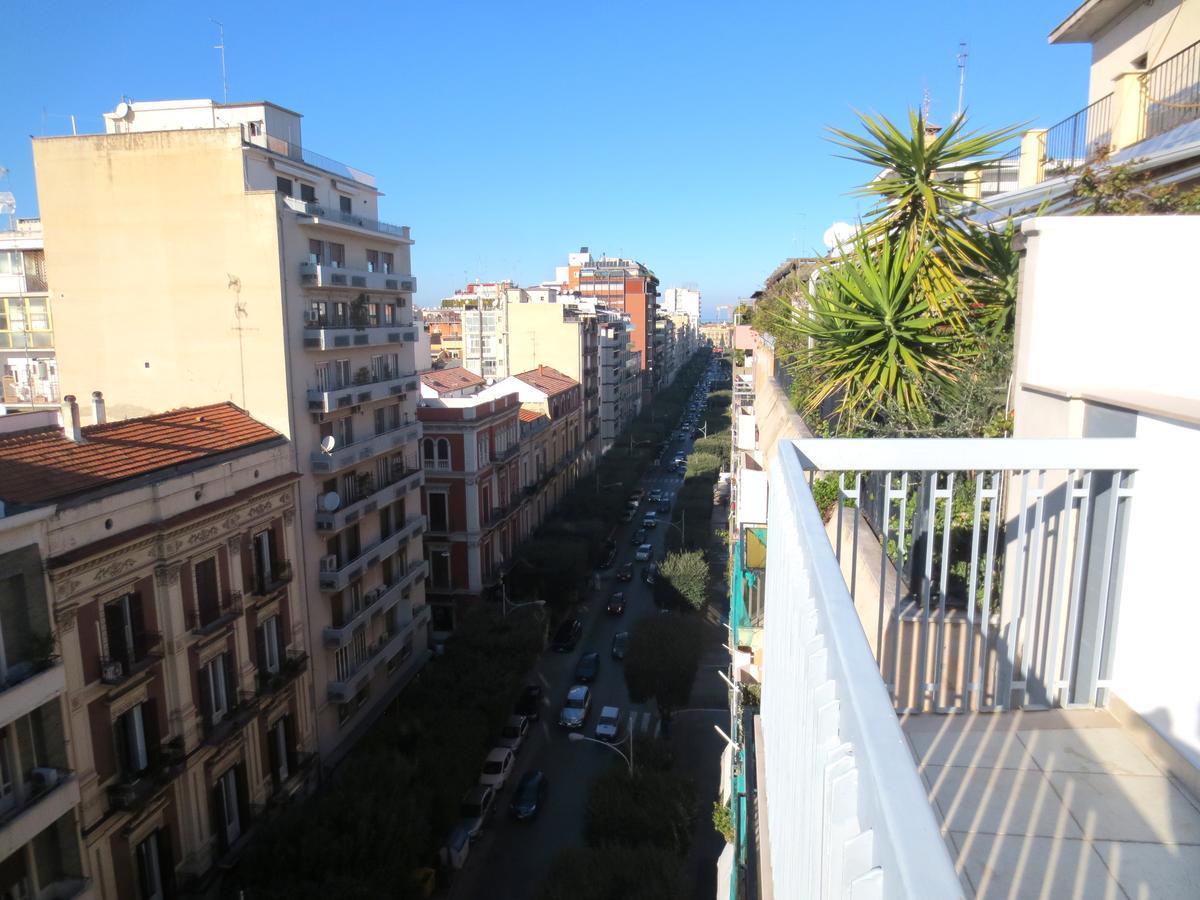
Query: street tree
(664, 654)
(683, 580)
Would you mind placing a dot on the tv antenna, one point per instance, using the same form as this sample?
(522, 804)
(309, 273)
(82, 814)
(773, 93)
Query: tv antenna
(962, 75)
(239, 313)
(221, 46)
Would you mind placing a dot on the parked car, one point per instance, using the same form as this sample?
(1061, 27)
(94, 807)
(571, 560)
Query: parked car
(457, 846)
(650, 573)
(529, 796)
(575, 709)
(625, 573)
(644, 552)
(616, 604)
(529, 704)
(609, 726)
(654, 497)
(639, 536)
(588, 667)
(567, 636)
(620, 644)
(512, 734)
(497, 766)
(476, 808)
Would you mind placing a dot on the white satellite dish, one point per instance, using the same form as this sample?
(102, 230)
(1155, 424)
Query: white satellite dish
(837, 234)
(328, 443)
(122, 110)
(331, 501)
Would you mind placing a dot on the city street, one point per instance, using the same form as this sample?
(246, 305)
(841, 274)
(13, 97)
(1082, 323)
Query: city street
(511, 858)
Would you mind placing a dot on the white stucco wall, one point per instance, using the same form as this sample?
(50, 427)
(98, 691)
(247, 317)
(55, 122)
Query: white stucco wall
(1158, 29)
(1108, 314)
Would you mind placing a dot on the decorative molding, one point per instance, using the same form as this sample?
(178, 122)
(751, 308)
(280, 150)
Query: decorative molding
(167, 574)
(289, 516)
(234, 544)
(203, 535)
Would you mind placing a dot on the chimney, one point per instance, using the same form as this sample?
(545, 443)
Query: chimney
(99, 414)
(70, 411)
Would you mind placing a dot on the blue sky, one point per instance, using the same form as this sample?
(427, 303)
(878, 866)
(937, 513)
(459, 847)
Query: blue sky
(689, 135)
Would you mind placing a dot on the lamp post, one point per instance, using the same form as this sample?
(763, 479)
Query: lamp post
(576, 737)
(506, 605)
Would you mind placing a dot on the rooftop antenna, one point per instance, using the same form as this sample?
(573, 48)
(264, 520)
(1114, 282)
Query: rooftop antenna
(221, 46)
(962, 75)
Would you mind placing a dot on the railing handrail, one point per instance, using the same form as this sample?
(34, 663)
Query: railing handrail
(311, 208)
(967, 454)
(291, 150)
(892, 801)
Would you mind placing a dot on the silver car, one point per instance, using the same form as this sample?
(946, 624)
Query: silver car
(575, 710)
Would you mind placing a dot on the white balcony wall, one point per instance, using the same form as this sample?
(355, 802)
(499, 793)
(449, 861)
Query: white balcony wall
(848, 814)
(1108, 350)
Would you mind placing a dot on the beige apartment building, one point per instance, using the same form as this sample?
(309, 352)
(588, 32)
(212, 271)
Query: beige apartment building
(201, 253)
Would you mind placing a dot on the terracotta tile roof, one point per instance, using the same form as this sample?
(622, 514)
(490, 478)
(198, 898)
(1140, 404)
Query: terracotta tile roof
(40, 466)
(453, 379)
(532, 415)
(547, 380)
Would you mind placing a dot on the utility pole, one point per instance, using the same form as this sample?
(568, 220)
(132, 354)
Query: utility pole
(221, 46)
(962, 76)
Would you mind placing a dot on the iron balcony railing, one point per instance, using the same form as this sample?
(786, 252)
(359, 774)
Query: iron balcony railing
(1000, 175)
(1079, 138)
(1172, 92)
(346, 218)
(294, 151)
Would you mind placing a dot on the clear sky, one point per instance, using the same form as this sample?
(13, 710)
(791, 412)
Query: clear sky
(689, 135)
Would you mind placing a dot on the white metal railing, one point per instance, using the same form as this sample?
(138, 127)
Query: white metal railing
(848, 815)
(986, 573)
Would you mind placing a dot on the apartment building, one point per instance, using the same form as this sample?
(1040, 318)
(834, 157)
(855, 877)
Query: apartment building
(564, 337)
(262, 275)
(620, 369)
(483, 316)
(169, 545)
(674, 342)
(621, 284)
(681, 300)
(471, 498)
(444, 327)
(28, 367)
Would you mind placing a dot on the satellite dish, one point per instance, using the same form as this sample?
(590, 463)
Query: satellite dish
(331, 501)
(122, 111)
(327, 444)
(837, 234)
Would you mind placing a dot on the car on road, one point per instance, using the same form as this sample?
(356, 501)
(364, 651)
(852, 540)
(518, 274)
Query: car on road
(567, 636)
(650, 573)
(625, 573)
(644, 552)
(609, 726)
(616, 604)
(654, 497)
(650, 520)
(588, 667)
(529, 704)
(529, 796)
(638, 494)
(639, 536)
(575, 708)
(627, 516)
(512, 734)
(476, 808)
(620, 644)
(497, 766)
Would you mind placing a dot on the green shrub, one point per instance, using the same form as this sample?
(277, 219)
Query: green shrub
(652, 808)
(683, 581)
(703, 465)
(722, 819)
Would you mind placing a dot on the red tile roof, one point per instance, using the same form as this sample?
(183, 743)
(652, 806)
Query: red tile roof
(43, 465)
(532, 415)
(547, 380)
(453, 379)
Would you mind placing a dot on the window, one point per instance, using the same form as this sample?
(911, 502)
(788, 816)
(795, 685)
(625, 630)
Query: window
(228, 804)
(39, 314)
(378, 368)
(389, 262)
(344, 204)
(372, 260)
(394, 416)
(341, 313)
(280, 743)
(8, 796)
(283, 185)
(216, 690)
(344, 430)
(153, 857)
(353, 543)
(337, 255)
(341, 368)
(439, 569)
(385, 522)
(208, 596)
(136, 733)
(124, 637)
(308, 193)
(389, 314)
(264, 556)
(10, 262)
(318, 309)
(380, 420)
(269, 640)
(316, 251)
(373, 319)
(439, 518)
(325, 379)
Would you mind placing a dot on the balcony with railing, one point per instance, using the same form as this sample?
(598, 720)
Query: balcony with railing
(36, 804)
(315, 214)
(386, 647)
(202, 622)
(292, 666)
(939, 656)
(362, 450)
(132, 792)
(27, 685)
(1171, 93)
(370, 497)
(336, 277)
(241, 711)
(322, 333)
(270, 580)
(376, 601)
(364, 387)
(336, 575)
(122, 664)
(293, 151)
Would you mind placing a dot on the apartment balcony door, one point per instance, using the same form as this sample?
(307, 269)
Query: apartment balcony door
(154, 865)
(229, 818)
(8, 793)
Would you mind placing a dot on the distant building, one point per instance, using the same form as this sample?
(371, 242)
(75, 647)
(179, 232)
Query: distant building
(445, 330)
(442, 384)
(681, 300)
(28, 366)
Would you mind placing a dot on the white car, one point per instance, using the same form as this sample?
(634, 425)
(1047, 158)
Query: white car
(512, 735)
(644, 552)
(609, 726)
(496, 768)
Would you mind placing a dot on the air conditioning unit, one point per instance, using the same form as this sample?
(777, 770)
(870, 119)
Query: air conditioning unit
(44, 777)
(329, 563)
(311, 317)
(111, 671)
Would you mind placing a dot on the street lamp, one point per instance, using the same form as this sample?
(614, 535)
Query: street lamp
(506, 604)
(576, 737)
